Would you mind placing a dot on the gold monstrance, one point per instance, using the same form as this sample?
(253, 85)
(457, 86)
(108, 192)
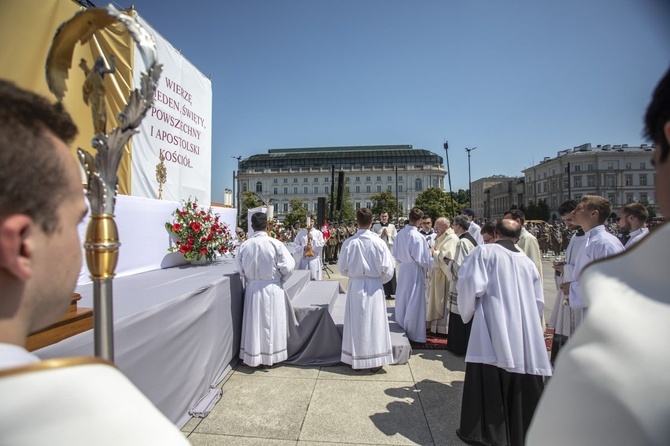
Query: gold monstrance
(161, 175)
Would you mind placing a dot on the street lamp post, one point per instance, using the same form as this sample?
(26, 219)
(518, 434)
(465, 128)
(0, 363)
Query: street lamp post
(469, 175)
(451, 197)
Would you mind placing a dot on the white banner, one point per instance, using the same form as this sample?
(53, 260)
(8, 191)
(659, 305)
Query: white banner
(178, 126)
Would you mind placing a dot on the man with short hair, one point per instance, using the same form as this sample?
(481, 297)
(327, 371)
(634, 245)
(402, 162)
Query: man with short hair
(265, 264)
(611, 381)
(411, 250)
(426, 229)
(474, 229)
(459, 331)
(634, 220)
(527, 241)
(310, 243)
(67, 400)
(591, 214)
(388, 233)
(566, 322)
(438, 283)
(500, 292)
(367, 261)
(488, 232)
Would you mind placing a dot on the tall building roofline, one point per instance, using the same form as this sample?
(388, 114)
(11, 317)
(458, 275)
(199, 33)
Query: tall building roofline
(342, 148)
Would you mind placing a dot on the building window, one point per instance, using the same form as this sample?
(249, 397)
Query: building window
(295, 180)
(611, 199)
(358, 179)
(326, 180)
(368, 205)
(578, 168)
(304, 180)
(379, 178)
(275, 181)
(367, 179)
(259, 187)
(285, 180)
(565, 183)
(643, 197)
(578, 181)
(367, 189)
(358, 205)
(316, 180)
(418, 185)
(629, 180)
(316, 189)
(610, 166)
(399, 187)
(400, 206)
(578, 197)
(274, 190)
(244, 186)
(629, 198)
(530, 189)
(358, 189)
(286, 191)
(629, 166)
(389, 188)
(591, 181)
(326, 190)
(643, 179)
(399, 177)
(643, 166)
(295, 190)
(590, 167)
(285, 207)
(379, 189)
(304, 190)
(610, 181)
(389, 178)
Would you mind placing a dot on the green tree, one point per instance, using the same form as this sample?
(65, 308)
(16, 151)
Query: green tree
(543, 212)
(298, 212)
(650, 209)
(249, 201)
(436, 203)
(384, 201)
(347, 213)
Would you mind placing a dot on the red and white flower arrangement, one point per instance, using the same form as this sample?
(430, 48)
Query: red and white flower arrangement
(199, 232)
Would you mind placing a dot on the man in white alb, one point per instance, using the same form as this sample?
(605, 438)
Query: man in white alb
(411, 250)
(309, 244)
(388, 233)
(500, 290)
(365, 259)
(72, 401)
(611, 382)
(426, 229)
(265, 264)
(474, 229)
(634, 220)
(591, 214)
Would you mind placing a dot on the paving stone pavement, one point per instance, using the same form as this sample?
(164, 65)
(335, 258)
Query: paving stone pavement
(414, 403)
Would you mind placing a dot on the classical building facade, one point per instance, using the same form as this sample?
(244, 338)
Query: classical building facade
(620, 173)
(502, 196)
(479, 195)
(307, 174)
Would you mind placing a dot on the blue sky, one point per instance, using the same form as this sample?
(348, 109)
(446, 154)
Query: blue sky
(520, 80)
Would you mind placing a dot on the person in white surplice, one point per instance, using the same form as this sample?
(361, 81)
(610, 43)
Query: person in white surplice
(265, 264)
(310, 256)
(366, 260)
(611, 382)
(73, 401)
(415, 256)
(500, 290)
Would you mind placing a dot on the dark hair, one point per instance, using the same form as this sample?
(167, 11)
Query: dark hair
(364, 217)
(507, 229)
(658, 114)
(637, 210)
(462, 221)
(32, 177)
(489, 228)
(415, 214)
(567, 207)
(517, 214)
(259, 221)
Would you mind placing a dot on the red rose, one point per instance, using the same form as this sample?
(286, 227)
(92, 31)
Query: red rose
(210, 237)
(195, 226)
(203, 239)
(184, 249)
(176, 227)
(203, 250)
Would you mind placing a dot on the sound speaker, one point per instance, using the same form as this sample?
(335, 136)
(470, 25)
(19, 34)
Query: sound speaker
(320, 212)
(340, 190)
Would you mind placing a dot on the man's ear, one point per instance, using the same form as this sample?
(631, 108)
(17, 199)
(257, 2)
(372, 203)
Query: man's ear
(15, 249)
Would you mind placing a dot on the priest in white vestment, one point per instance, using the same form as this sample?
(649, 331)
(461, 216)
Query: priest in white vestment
(611, 383)
(500, 290)
(265, 264)
(367, 262)
(64, 401)
(564, 319)
(591, 214)
(411, 250)
(459, 331)
(438, 283)
(310, 256)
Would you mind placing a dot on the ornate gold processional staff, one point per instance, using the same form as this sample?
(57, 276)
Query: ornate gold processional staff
(102, 239)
